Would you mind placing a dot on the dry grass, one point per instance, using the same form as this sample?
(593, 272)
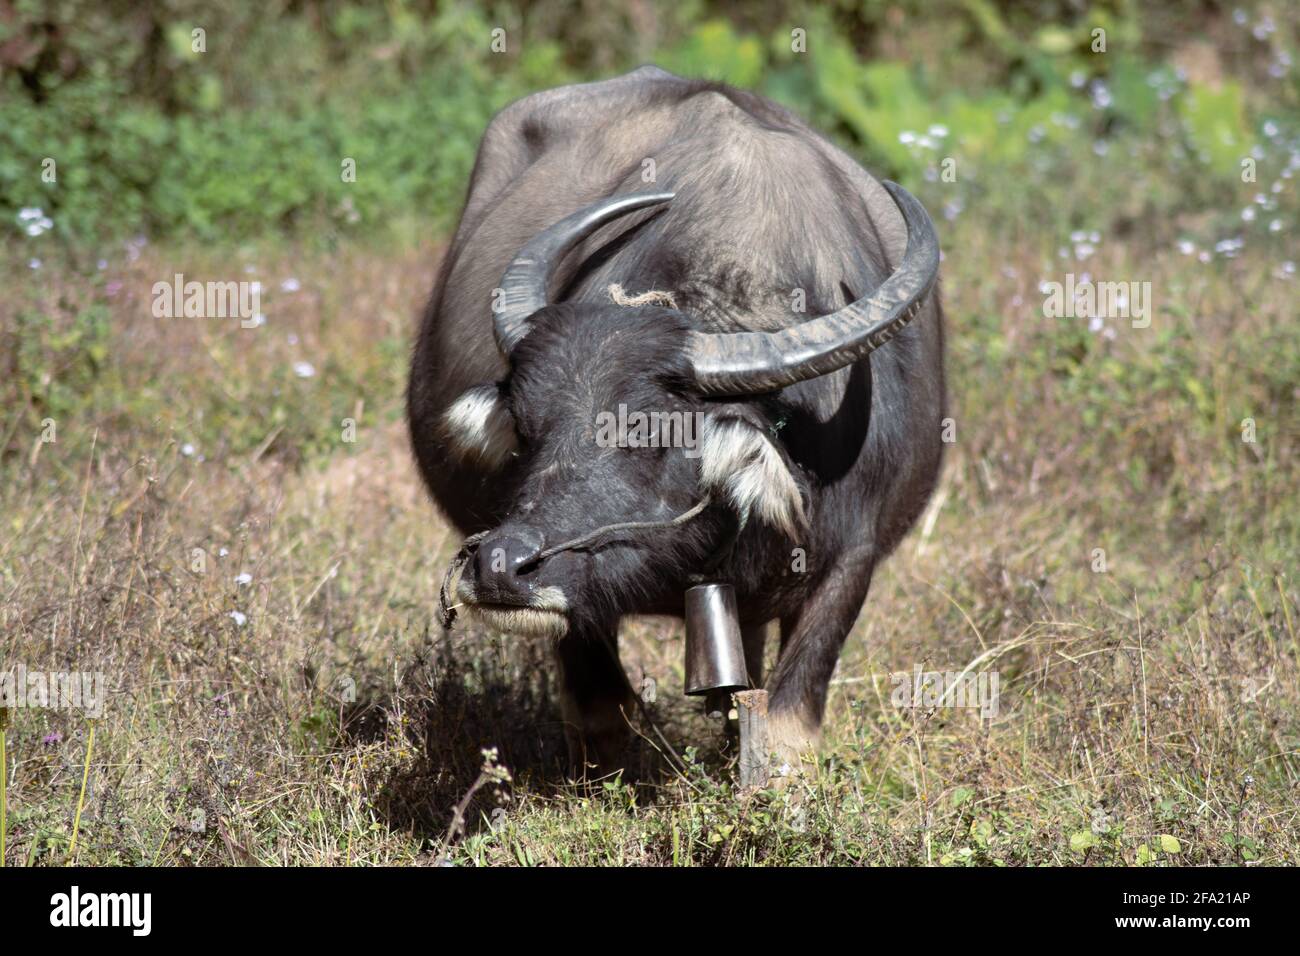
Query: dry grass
(1157, 699)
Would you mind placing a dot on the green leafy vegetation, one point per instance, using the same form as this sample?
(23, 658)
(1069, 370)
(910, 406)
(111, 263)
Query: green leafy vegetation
(154, 128)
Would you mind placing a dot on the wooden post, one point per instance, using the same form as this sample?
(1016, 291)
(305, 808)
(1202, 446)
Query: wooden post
(755, 761)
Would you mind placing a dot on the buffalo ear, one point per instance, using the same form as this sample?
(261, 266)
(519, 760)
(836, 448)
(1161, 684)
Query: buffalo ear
(739, 463)
(479, 427)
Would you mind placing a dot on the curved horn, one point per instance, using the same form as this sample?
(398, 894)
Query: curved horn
(739, 363)
(524, 283)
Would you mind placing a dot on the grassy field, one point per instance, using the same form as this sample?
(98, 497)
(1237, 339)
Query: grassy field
(258, 589)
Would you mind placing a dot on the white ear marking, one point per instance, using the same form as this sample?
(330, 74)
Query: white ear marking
(740, 462)
(479, 427)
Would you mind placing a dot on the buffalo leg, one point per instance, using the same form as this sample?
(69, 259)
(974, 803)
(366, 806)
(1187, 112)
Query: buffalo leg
(596, 702)
(754, 639)
(810, 645)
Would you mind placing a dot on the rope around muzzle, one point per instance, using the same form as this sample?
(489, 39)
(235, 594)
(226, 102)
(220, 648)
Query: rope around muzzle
(446, 612)
(592, 539)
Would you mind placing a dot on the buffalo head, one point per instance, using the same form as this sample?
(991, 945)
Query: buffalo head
(630, 439)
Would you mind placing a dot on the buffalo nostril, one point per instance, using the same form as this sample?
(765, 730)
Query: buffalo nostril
(503, 562)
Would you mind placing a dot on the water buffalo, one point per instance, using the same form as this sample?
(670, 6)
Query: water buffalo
(673, 246)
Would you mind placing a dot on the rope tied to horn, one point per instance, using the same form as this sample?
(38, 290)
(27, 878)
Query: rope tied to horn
(650, 297)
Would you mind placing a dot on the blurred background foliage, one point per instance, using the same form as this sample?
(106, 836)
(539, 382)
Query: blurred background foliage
(248, 136)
